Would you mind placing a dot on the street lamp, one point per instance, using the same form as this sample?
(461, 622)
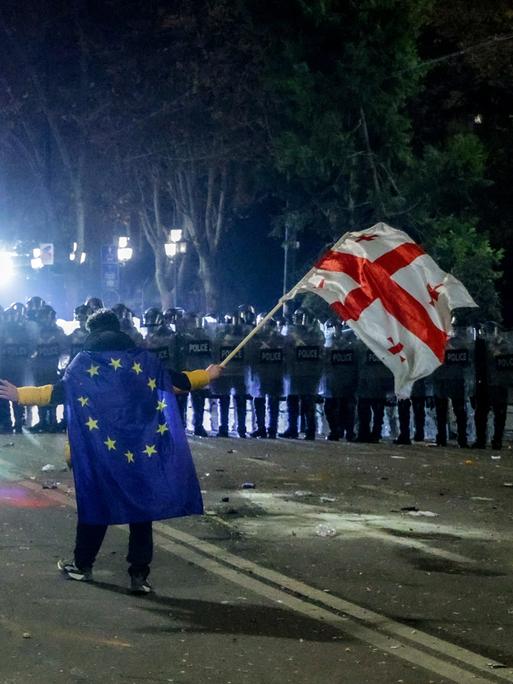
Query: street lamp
(125, 252)
(36, 262)
(174, 246)
(75, 256)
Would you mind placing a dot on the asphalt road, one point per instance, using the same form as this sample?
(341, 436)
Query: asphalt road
(344, 563)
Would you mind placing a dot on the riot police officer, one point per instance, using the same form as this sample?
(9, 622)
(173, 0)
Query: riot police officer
(266, 352)
(375, 387)
(235, 378)
(18, 344)
(50, 346)
(77, 337)
(126, 322)
(304, 343)
(494, 381)
(454, 380)
(340, 380)
(194, 345)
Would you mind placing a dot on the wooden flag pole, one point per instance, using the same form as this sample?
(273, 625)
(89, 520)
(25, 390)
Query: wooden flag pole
(290, 294)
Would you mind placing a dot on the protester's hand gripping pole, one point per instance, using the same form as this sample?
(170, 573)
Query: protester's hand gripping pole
(290, 295)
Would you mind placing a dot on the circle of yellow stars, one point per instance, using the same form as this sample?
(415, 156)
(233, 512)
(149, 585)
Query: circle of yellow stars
(92, 423)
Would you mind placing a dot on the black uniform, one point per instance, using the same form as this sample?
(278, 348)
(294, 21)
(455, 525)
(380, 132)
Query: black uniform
(340, 382)
(195, 350)
(267, 363)
(375, 386)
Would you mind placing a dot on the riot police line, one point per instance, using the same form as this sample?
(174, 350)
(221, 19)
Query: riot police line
(297, 375)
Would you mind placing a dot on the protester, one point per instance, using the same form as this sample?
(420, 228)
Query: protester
(130, 457)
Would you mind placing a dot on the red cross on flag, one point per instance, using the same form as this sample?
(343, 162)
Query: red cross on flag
(393, 295)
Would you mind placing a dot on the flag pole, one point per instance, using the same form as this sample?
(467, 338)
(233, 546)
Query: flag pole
(290, 294)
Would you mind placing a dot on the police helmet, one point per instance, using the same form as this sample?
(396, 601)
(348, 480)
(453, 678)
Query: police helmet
(246, 314)
(15, 313)
(152, 317)
(94, 303)
(173, 314)
(47, 314)
(34, 306)
(303, 317)
(82, 313)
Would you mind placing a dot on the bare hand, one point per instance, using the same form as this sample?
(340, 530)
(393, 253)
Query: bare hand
(214, 371)
(8, 391)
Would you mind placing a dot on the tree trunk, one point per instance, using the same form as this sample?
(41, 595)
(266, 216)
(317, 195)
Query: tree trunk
(162, 278)
(209, 276)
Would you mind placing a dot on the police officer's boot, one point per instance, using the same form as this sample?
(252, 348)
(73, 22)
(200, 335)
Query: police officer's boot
(308, 411)
(364, 419)
(419, 417)
(259, 403)
(182, 400)
(500, 409)
(293, 417)
(347, 418)
(19, 417)
(403, 408)
(51, 419)
(378, 411)
(240, 407)
(441, 408)
(460, 412)
(224, 409)
(274, 410)
(5, 416)
(331, 411)
(198, 406)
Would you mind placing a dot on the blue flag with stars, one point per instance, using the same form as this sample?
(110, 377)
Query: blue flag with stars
(130, 456)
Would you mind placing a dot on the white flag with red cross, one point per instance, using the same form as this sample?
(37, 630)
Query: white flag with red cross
(393, 295)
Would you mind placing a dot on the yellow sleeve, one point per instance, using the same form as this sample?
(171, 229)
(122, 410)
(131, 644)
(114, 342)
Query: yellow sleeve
(197, 378)
(35, 396)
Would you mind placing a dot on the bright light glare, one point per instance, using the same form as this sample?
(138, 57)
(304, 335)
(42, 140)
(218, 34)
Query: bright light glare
(83, 257)
(123, 242)
(170, 248)
(175, 234)
(125, 254)
(6, 266)
(36, 263)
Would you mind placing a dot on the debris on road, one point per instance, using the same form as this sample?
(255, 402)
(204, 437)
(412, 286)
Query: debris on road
(231, 451)
(8, 444)
(48, 468)
(225, 499)
(422, 514)
(328, 499)
(323, 530)
(248, 485)
(50, 484)
(302, 493)
(27, 635)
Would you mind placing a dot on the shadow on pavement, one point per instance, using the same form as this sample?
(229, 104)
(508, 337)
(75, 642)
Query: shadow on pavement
(245, 619)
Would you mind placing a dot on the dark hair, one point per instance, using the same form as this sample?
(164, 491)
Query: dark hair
(103, 320)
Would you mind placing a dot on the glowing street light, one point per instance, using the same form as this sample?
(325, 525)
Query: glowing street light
(75, 256)
(37, 261)
(6, 265)
(125, 252)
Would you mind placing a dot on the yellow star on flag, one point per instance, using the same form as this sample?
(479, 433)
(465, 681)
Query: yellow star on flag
(137, 368)
(92, 424)
(161, 405)
(84, 401)
(129, 456)
(110, 443)
(150, 450)
(162, 428)
(115, 363)
(94, 370)
(152, 383)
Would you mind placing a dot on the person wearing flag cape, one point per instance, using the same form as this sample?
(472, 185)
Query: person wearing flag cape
(130, 457)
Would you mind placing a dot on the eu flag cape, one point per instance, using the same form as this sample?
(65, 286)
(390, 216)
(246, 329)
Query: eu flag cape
(130, 456)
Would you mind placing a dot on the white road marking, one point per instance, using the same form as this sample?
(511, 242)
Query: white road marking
(375, 620)
(381, 632)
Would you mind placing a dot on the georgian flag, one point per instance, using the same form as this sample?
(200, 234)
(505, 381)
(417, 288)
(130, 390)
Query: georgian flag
(393, 295)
